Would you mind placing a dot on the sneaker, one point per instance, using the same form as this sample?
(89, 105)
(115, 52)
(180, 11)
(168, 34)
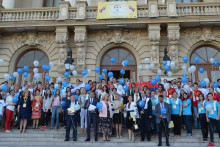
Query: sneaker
(210, 144)
(7, 131)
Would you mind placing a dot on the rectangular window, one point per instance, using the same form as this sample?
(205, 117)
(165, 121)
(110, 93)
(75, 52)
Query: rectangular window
(118, 0)
(51, 3)
(188, 1)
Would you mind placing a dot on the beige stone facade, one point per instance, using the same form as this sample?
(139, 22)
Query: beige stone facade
(181, 27)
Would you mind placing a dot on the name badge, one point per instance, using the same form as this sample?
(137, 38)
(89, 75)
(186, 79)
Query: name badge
(197, 98)
(24, 105)
(170, 96)
(174, 106)
(37, 105)
(200, 110)
(212, 112)
(153, 107)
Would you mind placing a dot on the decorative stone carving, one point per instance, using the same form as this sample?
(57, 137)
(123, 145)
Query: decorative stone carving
(80, 42)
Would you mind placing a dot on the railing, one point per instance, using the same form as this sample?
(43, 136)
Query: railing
(142, 11)
(162, 10)
(91, 12)
(29, 14)
(72, 12)
(198, 9)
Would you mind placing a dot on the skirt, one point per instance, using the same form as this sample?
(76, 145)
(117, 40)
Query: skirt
(105, 126)
(117, 118)
(129, 121)
(36, 114)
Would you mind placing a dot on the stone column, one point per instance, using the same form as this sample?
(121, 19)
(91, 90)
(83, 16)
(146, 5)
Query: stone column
(8, 4)
(72, 2)
(80, 38)
(154, 39)
(62, 37)
(173, 31)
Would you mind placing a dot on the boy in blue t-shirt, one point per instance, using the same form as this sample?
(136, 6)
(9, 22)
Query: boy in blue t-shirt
(212, 116)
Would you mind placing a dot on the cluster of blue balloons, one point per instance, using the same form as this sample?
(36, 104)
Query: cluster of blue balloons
(87, 87)
(20, 71)
(141, 103)
(46, 67)
(99, 105)
(203, 83)
(84, 72)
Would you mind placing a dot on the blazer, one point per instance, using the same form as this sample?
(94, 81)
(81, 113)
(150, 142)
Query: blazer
(158, 113)
(95, 101)
(148, 111)
(68, 104)
(103, 112)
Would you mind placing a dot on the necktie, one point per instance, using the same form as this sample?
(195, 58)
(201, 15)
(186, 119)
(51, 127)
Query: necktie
(91, 101)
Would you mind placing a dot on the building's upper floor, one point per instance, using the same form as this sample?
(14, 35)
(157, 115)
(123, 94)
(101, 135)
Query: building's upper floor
(9, 4)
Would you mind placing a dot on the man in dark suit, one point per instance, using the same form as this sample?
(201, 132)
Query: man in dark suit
(92, 115)
(162, 120)
(145, 116)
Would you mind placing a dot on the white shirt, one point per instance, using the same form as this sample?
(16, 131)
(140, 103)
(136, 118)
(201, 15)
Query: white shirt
(2, 104)
(9, 100)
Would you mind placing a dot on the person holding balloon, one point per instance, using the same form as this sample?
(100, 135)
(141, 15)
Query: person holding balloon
(213, 117)
(163, 115)
(154, 101)
(10, 107)
(105, 115)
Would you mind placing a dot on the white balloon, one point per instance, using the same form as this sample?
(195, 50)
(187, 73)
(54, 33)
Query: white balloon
(15, 74)
(147, 60)
(36, 76)
(166, 86)
(36, 63)
(147, 67)
(190, 70)
(193, 68)
(169, 73)
(211, 60)
(51, 64)
(72, 67)
(6, 76)
(1, 61)
(159, 71)
(75, 73)
(152, 65)
(35, 70)
(59, 79)
(89, 71)
(172, 64)
(122, 63)
(140, 67)
(184, 67)
(119, 87)
(186, 88)
(206, 80)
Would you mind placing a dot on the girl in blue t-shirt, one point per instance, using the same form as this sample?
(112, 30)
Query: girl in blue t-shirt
(187, 114)
(202, 116)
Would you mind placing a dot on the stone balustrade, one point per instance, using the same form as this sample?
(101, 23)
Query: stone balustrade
(51, 14)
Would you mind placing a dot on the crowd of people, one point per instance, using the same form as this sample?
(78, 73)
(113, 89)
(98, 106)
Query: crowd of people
(105, 104)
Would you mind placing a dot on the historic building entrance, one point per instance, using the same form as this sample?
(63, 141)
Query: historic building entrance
(120, 54)
(205, 53)
(27, 59)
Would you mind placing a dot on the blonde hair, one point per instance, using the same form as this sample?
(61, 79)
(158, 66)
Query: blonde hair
(103, 98)
(117, 95)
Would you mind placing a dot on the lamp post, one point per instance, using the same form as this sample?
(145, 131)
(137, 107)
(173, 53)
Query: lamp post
(166, 58)
(69, 60)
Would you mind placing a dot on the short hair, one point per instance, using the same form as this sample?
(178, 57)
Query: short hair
(210, 94)
(160, 96)
(195, 83)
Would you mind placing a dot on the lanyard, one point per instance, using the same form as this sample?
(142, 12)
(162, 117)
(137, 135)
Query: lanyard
(25, 99)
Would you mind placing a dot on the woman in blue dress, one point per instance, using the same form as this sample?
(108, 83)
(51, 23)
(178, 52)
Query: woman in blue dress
(24, 110)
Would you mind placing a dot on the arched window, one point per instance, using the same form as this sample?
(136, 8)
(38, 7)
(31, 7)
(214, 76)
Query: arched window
(120, 54)
(205, 53)
(27, 59)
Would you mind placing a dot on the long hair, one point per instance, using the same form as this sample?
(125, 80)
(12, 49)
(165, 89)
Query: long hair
(46, 95)
(201, 94)
(57, 94)
(107, 91)
(128, 100)
(103, 98)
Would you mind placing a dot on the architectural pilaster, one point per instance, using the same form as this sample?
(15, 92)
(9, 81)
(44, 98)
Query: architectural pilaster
(81, 9)
(8, 4)
(80, 43)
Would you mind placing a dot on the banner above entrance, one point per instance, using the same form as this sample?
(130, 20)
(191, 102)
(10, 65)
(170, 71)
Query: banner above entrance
(117, 9)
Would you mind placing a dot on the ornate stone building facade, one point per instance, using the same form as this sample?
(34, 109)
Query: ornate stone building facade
(187, 29)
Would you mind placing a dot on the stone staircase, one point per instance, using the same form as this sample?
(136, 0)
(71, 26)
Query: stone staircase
(37, 137)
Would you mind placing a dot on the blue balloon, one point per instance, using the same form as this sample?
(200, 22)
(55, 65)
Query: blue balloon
(47, 78)
(201, 70)
(141, 103)
(215, 85)
(126, 88)
(101, 77)
(97, 69)
(44, 67)
(26, 68)
(4, 87)
(122, 71)
(20, 70)
(11, 78)
(99, 105)
(104, 70)
(15, 100)
(25, 74)
(196, 59)
(184, 75)
(113, 60)
(167, 68)
(185, 59)
(126, 62)
(121, 81)
(184, 79)
(203, 84)
(66, 74)
(76, 97)
(163, 111)
(216, 63)
(65, 84)
(63, 103)
(157, 78)
(110, 74)
(153, 82)
(84, 72)
(164, 63)
(48, 68)
(87, 87)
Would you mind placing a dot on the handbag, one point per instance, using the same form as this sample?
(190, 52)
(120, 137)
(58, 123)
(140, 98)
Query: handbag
(135, 127)
(171, 125)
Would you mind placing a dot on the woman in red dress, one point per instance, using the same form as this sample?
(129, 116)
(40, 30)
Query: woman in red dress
(36, 109)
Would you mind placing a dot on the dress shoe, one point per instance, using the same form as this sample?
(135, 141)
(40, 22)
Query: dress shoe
(87, 139)
(160, 144)
(74, 139)
(168, 144)
(66, 140)
(96, 139)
